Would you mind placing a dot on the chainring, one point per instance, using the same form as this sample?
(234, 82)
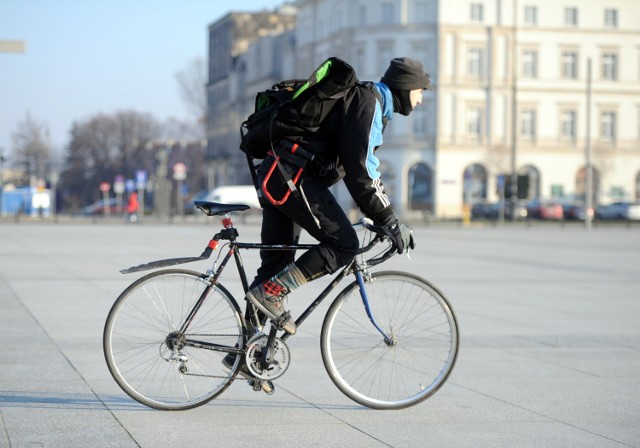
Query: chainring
(278, 359)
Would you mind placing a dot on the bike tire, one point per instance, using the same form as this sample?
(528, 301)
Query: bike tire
(382, 376)
(137, 348)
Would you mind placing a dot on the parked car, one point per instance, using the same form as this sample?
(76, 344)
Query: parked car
(235, 194)
(480, 210)
(574, 211)
(633, 212)
(543, 209)
(619, 210)
(491, 210)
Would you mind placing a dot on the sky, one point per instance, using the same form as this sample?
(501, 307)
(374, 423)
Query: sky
(84, 57)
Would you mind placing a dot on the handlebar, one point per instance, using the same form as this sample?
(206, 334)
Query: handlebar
(368, 224)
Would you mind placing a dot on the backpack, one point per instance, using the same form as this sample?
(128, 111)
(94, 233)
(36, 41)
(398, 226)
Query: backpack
(295, 108)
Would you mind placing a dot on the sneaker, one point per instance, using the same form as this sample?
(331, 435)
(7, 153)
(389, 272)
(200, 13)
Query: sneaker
(268, 298)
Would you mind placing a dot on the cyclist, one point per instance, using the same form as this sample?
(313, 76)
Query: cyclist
(349, 137)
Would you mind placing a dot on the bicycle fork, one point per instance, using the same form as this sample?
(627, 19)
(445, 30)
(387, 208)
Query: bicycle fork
(389, 340)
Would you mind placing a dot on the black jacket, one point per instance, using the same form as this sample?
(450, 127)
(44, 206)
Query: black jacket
(351, 134)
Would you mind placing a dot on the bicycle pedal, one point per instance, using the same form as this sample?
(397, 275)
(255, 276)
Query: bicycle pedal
(282, 321)
(266, 386)
(284, 317)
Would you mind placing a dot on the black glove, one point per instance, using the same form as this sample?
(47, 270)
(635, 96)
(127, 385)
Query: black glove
(400, 235)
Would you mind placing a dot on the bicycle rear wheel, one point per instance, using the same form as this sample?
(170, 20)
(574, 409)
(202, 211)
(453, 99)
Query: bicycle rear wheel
(410, 367)
(148, 356)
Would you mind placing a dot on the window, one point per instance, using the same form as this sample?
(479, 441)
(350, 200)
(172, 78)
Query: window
(569, 64)
(420, 187)
(571, 16)
(610, 66)
(421, 12)
(530, 63)
(568, 125)
(474, 184)
(528, 129)
(608, 126)
(420, 52)
(617, 192)
(477, 12)
(474, 122)
(362, 14)
(385, 54)
(387, 12)
(611, 18)
(360, 60)
(531, 15)
(557, 191)
(475, 62)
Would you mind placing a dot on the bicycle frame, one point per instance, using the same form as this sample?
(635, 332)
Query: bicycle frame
(229, 233)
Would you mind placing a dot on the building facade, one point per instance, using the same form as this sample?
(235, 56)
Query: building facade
(510, 94)
(242, 60)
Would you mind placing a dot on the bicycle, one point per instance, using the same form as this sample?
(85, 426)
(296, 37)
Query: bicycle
(389, 340)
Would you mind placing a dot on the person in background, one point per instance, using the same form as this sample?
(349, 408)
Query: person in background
(132, 207)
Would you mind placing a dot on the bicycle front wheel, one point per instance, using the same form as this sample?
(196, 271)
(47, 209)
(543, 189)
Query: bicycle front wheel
(416, 358)
(148, 355)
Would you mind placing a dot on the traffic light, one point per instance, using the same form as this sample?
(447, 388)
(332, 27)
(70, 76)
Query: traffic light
(523, 186)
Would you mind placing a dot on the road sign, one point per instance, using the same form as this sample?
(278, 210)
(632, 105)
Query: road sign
(130, 185)
(118, 185)
(179, 171)
(141, 179)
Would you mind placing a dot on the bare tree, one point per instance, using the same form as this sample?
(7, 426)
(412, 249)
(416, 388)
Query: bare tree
(192, 83)
(105, 146)
(32, 150)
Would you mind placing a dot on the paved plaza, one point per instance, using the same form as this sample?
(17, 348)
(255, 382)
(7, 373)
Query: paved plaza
(549, 355)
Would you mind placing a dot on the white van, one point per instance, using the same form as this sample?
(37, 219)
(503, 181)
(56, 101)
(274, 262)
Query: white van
(235, 194)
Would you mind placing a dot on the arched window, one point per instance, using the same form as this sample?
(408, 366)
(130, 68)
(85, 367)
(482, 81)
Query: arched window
(475, 184)
(528, 182)
(420, 187)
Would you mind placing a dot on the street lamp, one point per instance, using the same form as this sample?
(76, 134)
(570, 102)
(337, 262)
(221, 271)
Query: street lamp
(514, 109)
(2, 160)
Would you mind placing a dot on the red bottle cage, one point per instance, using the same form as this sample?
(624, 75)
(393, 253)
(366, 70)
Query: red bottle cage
(290, 183)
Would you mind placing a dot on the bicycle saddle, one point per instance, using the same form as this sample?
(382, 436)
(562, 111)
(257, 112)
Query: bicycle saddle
(216, 208)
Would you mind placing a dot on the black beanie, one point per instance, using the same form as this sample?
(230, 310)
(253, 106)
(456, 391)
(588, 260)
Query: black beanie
(406, 74)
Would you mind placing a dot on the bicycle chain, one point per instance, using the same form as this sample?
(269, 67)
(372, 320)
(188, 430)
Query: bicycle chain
(205, 376)
(212, 335)
(208, 335)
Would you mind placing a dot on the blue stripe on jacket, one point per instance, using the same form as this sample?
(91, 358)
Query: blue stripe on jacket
(384, 110)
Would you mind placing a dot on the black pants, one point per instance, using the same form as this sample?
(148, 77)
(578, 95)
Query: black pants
(338, 242)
